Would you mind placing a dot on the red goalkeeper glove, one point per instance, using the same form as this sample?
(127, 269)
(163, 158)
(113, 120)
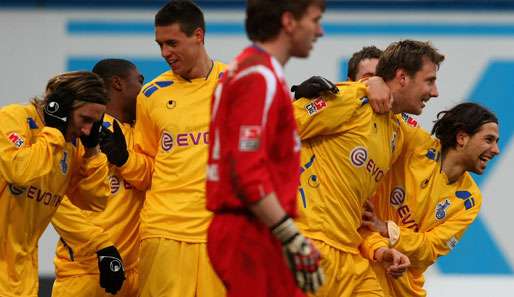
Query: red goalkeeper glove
(302, 257)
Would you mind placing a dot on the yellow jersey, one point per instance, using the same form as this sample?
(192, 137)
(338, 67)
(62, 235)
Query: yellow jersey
(346, 151)
(171, 133)
(430, 214)
(84, 232)
(37, 169)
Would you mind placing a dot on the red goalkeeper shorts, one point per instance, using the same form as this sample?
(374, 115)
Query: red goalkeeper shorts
(248, 259)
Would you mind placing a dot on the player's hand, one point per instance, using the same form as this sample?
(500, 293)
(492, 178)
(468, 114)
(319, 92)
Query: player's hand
(114, 145)
(302, 257)
(92, 140)
(393, 261)
(57, 109)
(379, 95)
(313, 87)
(112, 272)
(371, 221)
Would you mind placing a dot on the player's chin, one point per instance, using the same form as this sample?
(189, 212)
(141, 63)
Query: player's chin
(479, 169)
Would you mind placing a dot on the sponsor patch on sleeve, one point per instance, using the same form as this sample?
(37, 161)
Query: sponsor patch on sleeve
(249, 138)
(16, 139)
(315, 106)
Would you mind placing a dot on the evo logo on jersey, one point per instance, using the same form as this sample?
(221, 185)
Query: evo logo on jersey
(16, 139)
(183, 139)
(36, 194)
(397, 198)
(359, 157)
(441, 208)
(315, 106)
(115, 184)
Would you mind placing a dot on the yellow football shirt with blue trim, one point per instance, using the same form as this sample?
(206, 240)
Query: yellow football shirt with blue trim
(37, 168)
(346, 151)
(171, 129)
(84, 232)
(431, 214)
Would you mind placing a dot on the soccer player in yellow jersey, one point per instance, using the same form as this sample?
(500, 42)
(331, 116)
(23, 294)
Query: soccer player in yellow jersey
(428, 199)
(346, 151)
(82, 261)
(41, 159)
(170, 144)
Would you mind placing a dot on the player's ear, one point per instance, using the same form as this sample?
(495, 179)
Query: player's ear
(461, 138)
(401, 76)
(115, 83)
(199, 35)
(288, 22)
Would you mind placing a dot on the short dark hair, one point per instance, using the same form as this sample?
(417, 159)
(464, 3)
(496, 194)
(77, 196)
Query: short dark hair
(264, 17)
(107, 68)
(465, 117)
(184, 12)
(367, 52)
(408, 55)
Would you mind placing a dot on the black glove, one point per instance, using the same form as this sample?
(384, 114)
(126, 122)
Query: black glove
(112, 273)
(114, 145)
(58, 108)
(313, 87)
(302, 257)
(92, 140)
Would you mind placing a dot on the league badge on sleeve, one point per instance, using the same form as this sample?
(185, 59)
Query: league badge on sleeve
(16, 139)
(249, 138)
(315, 106)
(441, 208)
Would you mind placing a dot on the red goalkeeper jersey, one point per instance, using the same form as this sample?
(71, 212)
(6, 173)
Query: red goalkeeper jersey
(253, 143)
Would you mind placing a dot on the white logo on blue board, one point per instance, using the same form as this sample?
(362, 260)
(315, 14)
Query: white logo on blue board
(441, 208)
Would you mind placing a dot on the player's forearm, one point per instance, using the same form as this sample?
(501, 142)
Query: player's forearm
(138, 170)
(268, 210)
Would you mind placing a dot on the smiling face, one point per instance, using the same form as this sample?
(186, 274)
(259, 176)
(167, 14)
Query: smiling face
(478, 149)
(179, 50)
(418, 89)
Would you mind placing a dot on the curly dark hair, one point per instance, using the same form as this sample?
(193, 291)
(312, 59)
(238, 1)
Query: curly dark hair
(467, 117)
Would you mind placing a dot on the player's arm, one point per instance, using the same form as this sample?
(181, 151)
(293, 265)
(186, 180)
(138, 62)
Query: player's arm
(89, 187)
(23, 159)
(376, 248)
(84, 238)
(379, 93)
(79, 233)
(327, 114)
(423, 248)
(138, 168)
